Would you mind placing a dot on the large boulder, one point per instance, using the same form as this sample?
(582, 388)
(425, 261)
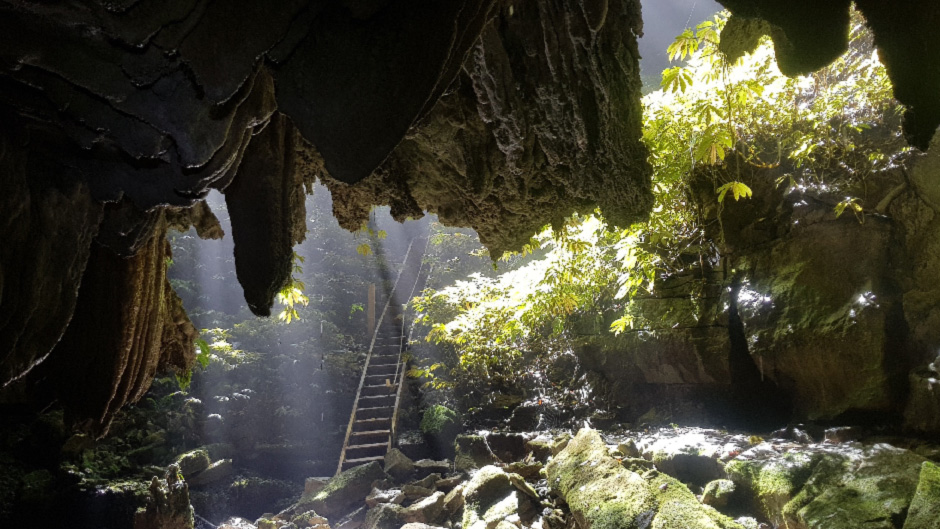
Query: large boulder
(398, 465)
(218, 471)
(771, 479)
(193, 462)
(870, 488)
(473, 452)
(830, 487)
(384, 516)
(717, 493)
(493, 496)
(426, 510)
(344, 491)
(925, 507)
(602, 494)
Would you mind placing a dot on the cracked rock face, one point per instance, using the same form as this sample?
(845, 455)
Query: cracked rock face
(543, 120)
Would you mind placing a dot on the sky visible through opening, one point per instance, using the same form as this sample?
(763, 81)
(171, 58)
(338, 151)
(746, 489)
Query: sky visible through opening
(662, 21)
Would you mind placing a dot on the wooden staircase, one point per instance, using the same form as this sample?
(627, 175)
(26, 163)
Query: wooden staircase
(372, 424)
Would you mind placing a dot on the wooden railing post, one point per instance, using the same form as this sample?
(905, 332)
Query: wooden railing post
(370, 314)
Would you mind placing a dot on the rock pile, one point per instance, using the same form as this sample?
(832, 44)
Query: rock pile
(673, 478)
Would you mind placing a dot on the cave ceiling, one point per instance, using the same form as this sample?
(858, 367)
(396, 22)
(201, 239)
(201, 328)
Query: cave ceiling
(120, 116)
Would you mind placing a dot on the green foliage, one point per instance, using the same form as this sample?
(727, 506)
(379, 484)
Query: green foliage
(184, 379)
(365, 249)
(437, 418)
(825, 132)
(737, 189)
(292, 294)
(713, 121)
(852, 204)
(221, 349)
(202, 357)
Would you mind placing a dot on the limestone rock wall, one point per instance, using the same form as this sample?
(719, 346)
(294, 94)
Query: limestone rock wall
(47, 228)
(128, 324)
(814, 316)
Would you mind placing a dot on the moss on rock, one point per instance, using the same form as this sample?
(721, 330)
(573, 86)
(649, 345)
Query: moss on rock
(193, 462)
(871, 490)
(437, 418)
(678, 507)
(717, 493)
(602, 494)
(925, 507)
(472, 451)
(772, 483)
(343, 491)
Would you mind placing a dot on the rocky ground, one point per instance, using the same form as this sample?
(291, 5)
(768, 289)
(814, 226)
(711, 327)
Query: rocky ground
(667, 478)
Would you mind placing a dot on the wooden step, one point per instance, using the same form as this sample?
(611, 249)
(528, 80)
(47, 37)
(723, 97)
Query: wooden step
(362, 460)
(372, 433)
(384, 369)
(367, 422)
(374, 399)
(364, 446)
(375, 412)
(371, 425)
(370, 391)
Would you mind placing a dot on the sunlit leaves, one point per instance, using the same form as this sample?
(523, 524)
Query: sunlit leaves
(622, 323)
(365, 249)
(676, 79)
(292, 294)
(202, 356)
(684, 46)
(851, 203)
(738, 191)
(713, 145)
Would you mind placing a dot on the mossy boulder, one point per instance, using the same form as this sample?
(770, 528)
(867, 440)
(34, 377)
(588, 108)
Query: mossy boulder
(678, 507)
(398, 465)
(384, 516)
(437, 419)
(427, 510)
(718, 493)
(872, 489)
(602, 494)
(193, 462)
(472, 452)
(344, 491)
(492, 495)
(770, 480)
(216, 473)
(308, 519)
(925, 507)
(833, 488)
